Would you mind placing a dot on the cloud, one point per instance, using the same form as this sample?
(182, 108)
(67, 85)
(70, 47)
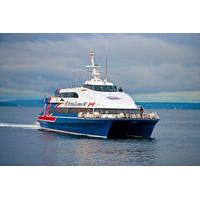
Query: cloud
(165, 77)
(188, 96)
(140, 63)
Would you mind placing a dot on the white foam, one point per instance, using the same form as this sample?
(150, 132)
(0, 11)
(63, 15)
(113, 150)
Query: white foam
(25, 126)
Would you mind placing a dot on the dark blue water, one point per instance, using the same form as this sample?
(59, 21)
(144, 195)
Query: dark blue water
(175, 141)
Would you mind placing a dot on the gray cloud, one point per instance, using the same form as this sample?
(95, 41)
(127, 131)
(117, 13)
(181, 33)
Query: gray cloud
(139, 63)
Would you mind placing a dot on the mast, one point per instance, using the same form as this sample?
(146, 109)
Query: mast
(92, 58)
(94, 68)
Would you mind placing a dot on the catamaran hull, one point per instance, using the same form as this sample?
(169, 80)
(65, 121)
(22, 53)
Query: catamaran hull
(102, 128)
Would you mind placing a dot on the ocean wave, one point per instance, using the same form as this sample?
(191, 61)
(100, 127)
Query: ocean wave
(25, 126)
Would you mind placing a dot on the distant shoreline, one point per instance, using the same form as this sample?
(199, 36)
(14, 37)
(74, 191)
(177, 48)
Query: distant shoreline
(146, 105)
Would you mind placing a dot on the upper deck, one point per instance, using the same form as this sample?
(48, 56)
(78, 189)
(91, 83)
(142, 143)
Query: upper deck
(95, 92)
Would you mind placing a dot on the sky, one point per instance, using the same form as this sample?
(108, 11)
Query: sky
(150, 67)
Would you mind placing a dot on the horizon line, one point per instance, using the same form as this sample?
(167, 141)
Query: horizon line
(137, 101)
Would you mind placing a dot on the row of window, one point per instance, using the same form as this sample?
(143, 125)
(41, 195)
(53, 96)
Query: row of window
(115, 111)
(85, 110)
(101, 88)
(69, 110)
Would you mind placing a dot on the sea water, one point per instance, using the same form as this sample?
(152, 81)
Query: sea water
(175, 141)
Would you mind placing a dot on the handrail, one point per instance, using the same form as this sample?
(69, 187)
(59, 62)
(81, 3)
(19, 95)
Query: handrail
(119, 116)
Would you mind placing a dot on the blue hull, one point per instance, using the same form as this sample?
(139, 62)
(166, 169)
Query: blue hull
(103, 128)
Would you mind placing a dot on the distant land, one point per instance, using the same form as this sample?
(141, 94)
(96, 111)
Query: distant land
(146, 105)
(28, 103)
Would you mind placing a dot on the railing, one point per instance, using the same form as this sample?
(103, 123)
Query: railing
(119, 116)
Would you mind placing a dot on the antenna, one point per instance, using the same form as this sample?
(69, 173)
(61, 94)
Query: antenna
(106, 72)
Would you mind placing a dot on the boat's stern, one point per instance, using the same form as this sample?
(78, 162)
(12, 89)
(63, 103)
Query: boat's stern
(133, 128)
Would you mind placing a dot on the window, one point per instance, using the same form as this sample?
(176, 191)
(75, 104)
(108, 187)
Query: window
(115, 111)
(69, 110)
(66, 94)
(101, 88)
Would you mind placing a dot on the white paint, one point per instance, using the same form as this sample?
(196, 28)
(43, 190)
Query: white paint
(119, 100)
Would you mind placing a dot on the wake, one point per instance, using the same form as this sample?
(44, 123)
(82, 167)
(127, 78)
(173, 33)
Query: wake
(25, 126)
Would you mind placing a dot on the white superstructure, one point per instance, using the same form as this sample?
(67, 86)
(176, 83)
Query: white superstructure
(95, 93)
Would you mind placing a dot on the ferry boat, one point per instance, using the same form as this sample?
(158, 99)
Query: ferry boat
(96, 109)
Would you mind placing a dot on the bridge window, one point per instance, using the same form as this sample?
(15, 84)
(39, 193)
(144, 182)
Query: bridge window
(101, 88)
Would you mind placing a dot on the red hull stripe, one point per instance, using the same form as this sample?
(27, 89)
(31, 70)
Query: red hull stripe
(57, 105)
(47, 118)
